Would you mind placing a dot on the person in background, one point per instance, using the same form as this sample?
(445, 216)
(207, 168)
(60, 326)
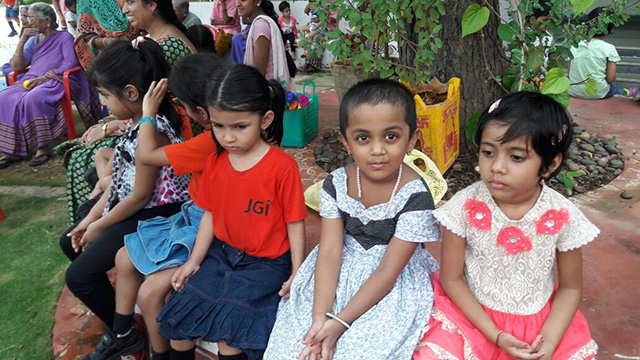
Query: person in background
(61, 11)
(188, 19)
(225, 19)
(289, 28)
(12, 15)
(595, 59)
(70, 17)
(26, 45)
(202, 38)
(315, 51)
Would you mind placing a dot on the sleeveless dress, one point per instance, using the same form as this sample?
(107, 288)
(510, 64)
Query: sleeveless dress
(391, 328)
(509, 270)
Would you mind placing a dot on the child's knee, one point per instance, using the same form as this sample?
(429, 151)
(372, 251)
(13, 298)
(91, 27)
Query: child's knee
(123, 262)
(151, 293)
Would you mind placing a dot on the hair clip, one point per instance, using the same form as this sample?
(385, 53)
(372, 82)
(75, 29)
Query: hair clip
(137, 41)
(494, 106)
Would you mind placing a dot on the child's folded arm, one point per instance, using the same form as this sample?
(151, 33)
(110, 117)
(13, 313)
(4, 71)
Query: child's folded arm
(381, 281)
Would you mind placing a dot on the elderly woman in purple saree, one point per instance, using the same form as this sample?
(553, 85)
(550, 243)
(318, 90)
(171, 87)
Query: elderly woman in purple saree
(30, 115)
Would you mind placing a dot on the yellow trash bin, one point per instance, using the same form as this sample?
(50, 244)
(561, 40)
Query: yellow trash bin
(439, 127)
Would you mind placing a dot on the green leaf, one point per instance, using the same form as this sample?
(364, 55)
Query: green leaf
(472, 127)
(535, 58)
(555, 82)
(438, 42)
(568, 182)
(579, 6)
(475, 18)
(592, 86)
(505, 33)
(573, 174)
(440, 7)
(562, 98)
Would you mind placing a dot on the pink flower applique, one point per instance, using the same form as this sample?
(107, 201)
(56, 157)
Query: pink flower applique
(513, 240)
(552, 221)
(478, 214)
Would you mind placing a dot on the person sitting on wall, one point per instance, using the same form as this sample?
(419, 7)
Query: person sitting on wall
(187, 18)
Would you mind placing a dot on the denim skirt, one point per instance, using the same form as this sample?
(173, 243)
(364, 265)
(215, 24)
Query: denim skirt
(161, 243)
(232, 297)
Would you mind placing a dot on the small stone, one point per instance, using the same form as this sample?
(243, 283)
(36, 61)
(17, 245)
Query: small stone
(319, 145)
(617, 164)
(574, 155)
(572, 166)
(610, 169)
(317, 151)
(580, 189)
(333, 167)
(582, 172)
(327, 147)
(578, 129)
(342, 156)
(599, 149)
(348, 160)
(626, 195)
(587, 162)
(587, 147)
(457, 167)
(586, 154)
(611, 149)
(601, 170)
(584, 135)
(568, 192)
(617, 172)
(332, 141)
(329, 154)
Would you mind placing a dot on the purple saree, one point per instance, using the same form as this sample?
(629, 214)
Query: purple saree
(30, 120)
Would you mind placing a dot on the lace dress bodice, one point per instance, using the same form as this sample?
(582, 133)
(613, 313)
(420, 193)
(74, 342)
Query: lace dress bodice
(509, 263)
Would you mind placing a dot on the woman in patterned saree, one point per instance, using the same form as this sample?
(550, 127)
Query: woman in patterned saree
(31, 115)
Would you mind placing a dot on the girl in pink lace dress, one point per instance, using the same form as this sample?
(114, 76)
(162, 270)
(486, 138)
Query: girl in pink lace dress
(495, 296)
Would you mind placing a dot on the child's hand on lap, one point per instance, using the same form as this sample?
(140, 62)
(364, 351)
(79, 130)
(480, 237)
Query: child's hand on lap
(286, 287)
(539, 347)
(327, 338)
(516, 348)
(93, 231)
(183, 274)
(312, 351)
(153, 98)
(77, 233)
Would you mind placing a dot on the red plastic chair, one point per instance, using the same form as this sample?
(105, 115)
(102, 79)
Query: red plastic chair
(65, 102)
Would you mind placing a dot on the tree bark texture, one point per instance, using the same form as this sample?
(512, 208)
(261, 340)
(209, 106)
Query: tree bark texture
(469, 59)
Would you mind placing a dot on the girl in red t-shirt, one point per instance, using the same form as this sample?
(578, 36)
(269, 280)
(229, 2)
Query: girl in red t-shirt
(251, 237)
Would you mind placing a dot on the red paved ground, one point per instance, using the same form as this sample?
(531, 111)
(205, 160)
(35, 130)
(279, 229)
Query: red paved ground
(611, 300)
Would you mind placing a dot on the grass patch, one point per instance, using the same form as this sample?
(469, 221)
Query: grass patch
(32, 274)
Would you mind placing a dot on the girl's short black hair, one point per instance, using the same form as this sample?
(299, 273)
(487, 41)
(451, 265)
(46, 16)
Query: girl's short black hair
(242, 88)
(119, 65)
(283, 5)
(165, 9)
(190, 76)
(202, 38)
(593, 15)
(542, 121)
(375, 92)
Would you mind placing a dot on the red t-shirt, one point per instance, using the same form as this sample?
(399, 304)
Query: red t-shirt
(251, 208)
(190, 157)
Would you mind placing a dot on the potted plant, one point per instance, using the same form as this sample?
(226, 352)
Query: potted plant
(390, 39)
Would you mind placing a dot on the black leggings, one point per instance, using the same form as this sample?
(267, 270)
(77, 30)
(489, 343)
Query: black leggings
(87, 275)
(292, 41)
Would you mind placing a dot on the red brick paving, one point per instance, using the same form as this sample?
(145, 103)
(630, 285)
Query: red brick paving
(611, 301)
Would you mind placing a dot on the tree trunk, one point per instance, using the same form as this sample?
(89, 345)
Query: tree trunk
(469, 59)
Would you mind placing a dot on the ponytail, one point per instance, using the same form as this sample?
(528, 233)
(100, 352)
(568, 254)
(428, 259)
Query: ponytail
(275, 131)
(119, 65)
(242, 88)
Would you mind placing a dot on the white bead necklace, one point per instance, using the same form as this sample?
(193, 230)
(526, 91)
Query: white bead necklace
(393, 193)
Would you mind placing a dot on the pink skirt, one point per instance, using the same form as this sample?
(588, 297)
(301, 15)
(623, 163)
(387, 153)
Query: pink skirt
(449, 335)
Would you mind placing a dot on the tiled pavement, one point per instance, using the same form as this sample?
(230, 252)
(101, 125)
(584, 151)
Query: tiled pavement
(611, 300)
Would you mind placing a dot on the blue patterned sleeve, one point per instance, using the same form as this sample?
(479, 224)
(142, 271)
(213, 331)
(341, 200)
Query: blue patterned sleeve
(328, 200)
